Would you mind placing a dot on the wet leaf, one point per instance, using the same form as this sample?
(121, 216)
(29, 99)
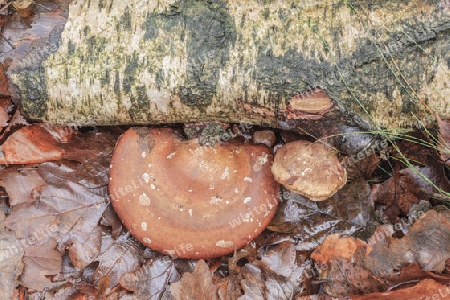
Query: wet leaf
(253, 284)
(285, 276)
(444, 139)
(150, 281)
(427, 243)
(117, 257)
(11, 253)
(400, 193)
(337, 261)
(40, 263)
(350, 266)
(310, 222)
(361, 167)
(197, 285)
(4, 108)
(20, 184)
(30, 144)
(63, 210)
(426, 289)
(281, 259)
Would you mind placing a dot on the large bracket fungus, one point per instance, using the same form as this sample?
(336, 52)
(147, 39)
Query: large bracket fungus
(187, 200)
(309, 169)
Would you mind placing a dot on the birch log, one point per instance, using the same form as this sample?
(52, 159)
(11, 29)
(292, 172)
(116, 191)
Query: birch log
(385, 63)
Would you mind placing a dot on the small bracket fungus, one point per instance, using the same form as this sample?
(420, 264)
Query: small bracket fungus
(309, 169)
(309, 105)
(187, 200)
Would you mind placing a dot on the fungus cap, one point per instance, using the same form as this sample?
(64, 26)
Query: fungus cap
(309, 169)
(187, 200)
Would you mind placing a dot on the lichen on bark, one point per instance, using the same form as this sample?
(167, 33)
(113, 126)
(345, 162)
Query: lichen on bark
(148, 62)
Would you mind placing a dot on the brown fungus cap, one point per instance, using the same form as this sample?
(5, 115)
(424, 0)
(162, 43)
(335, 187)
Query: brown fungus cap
(187, 200)
(309, 169)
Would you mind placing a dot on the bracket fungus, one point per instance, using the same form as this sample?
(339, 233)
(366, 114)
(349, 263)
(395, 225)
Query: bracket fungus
(309, 169)
(309, 105)
(187, 200)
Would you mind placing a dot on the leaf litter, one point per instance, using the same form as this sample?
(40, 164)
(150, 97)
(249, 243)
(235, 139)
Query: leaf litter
(62, 239)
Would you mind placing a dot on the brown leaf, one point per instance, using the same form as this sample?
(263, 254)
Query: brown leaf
(444, 139)
(350, 266)
(413, 272)
(334, 261)
(117, 257)
(20, 184)
(253, 283)
(400, 195)
(427, 243)
(150, 281)
(285, 276)
(11, 253)
(426, 289)
(310, 222)
(361, 167)
(30, 144)
(16, 121)
(197, 285)
(40, 262)
(63, 210)
(110, 218)
(4, 108)
(280, 259)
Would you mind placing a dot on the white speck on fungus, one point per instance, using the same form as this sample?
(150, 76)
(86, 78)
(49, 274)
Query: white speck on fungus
(144, 200)
(215, 200)
(144, 226)
(224, 244)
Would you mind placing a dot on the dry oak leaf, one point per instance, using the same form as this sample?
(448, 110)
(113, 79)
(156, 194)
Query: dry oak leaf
(197, 285)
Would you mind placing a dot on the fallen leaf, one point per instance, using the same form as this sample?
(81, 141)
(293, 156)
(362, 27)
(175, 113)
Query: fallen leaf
(63, 210)
(311, 222)
(30, 144)
(11, 266)
(151, 281)
(21, 4)
(197, 285)
(425, 290)
(426, 243)
(361, 167)
(281, 259)
(4, 91)
(444, 139)
(41, 262)
(17, 120)
(20, 184)
(4, 107)
(117, 257)
(350, 266)
(253, 283)
(400, 195)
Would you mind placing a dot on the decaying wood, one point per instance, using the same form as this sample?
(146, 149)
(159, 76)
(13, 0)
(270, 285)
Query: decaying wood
(147, 62)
